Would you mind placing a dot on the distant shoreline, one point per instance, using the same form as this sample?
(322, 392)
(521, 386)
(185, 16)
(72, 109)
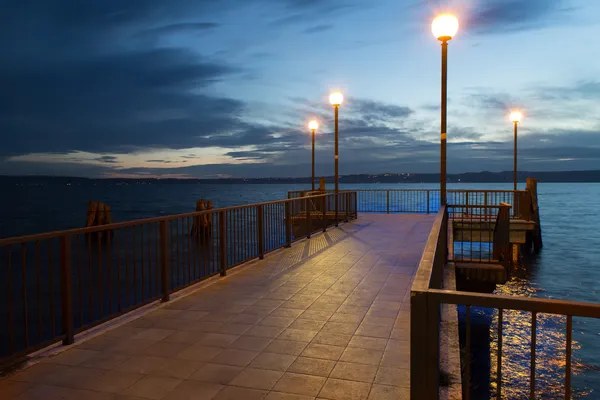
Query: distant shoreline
(478, 177)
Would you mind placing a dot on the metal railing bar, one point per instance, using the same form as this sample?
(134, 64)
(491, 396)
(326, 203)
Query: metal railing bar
(539, 305)
(568, 357)
(467, 391)
(499, 356)
(533, 351)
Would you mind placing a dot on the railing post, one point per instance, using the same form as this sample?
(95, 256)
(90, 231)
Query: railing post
(356, 204)
(164, 260)
(223, 242)
(66, 290)
(325, 212)
(424, 357)
(337, 204)
(485, 199)
(261, 232)
(288, 225)
(347, 197)
(387, 201)
(308, 221)
(428, 202)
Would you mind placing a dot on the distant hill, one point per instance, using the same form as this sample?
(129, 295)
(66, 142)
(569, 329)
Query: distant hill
(470, 177)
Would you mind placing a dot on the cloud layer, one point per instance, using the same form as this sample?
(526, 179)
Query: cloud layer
(107, 88)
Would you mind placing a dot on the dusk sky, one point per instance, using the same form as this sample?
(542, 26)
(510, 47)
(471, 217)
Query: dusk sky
(209, 88)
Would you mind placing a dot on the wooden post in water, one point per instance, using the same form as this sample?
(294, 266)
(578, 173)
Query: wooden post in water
(322, 185)
(202, 226)
(535, 214)
(98, 214)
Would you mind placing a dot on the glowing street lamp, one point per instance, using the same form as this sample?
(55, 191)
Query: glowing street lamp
(336, 99)
(444, 27)
(313, 126)
(516, 117)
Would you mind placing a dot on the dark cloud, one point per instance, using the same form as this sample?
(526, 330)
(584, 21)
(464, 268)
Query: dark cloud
(375, 111)
(134, 100)
(183, 27)
(500, 16)
(587, 90)
(107, 159)
(77, 79)
(301, 11)
(318, 29)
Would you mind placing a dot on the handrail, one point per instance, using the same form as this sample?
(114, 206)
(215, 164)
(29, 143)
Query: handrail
(126, 224)
(57, 284)
(477, 205)
(424, 355)
(427, 297)
(531, 304)
(422, 200)
(421, 189)
(431, 253)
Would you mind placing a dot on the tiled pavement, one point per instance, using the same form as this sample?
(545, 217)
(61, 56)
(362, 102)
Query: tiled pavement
(333, 323)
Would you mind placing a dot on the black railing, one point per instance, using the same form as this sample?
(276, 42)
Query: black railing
(427, 297)
(428, 200)
(60, 283)
(480, 233)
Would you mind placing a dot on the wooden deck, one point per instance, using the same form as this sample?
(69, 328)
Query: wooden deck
(328, 318)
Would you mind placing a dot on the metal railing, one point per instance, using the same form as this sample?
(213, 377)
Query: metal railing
(427, 298)
(480, 233)
(57, 284)
(428, 200)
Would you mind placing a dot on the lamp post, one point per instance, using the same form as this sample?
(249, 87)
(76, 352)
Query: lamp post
(313, 126)
(336, 99)
(515, 117)
(444, 27)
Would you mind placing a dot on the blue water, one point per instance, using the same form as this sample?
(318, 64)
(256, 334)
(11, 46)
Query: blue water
(567, 268)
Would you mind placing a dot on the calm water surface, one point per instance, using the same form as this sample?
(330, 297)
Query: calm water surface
(567, 268)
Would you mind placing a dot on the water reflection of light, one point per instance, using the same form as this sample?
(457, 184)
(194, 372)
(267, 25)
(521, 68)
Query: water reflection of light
(516, 350)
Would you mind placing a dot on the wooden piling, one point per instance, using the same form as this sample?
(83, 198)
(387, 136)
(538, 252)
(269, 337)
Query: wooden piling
(202, 226)
(98, 214)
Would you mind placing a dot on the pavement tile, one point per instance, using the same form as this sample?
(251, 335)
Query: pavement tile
(393, 376)
(293, 348)
(381, 392)
(298, 335)
(257, 378)
(240, 358)
(299, 384)
(324, 351)
(361, 356)
(251, 343)
(237, 393)
(366, 342)
(216, 373)
(153, 387)
(191, 390)
(354, 372)
(337, 389)
(312, 366)
(273, 361)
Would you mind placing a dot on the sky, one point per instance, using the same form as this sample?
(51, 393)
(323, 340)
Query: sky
(226, 88)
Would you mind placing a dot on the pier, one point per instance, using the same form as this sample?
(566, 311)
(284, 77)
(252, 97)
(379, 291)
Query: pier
(321, 295)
